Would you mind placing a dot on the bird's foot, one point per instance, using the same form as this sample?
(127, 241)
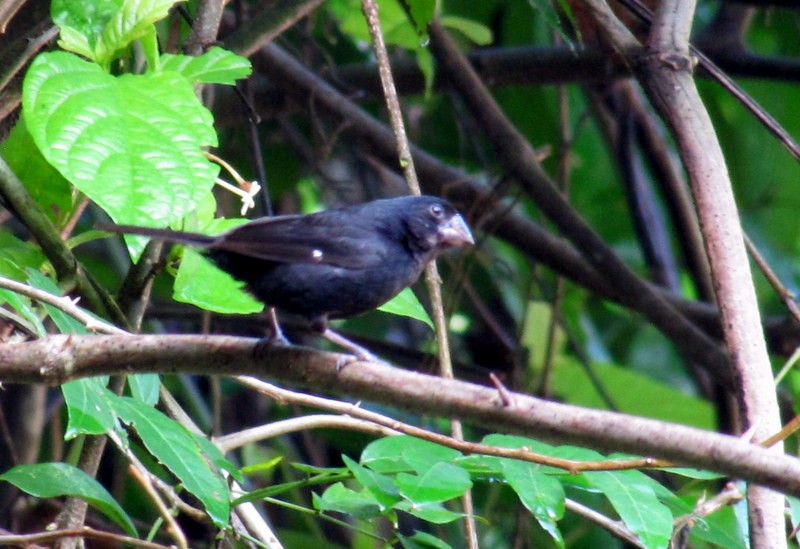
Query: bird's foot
(359, 352)
(264, 344)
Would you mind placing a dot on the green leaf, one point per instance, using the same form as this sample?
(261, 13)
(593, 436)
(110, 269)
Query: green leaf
(341, 499)
(538, 447)
(422, 12)
(310, 470)
(134, 19)
(422, 539)
(200, 283)
(442, 482)
(213, 453)
(18, 256)
(406, 304)
(721, 528)
(541, 494)
(29, 318)
(431, 512)
(133, 144)
(403, 452)
(65, 323)
(89, 410)
(381, 487)
(476, 32)
(46, 185)
(101, 30)
(216, 66)
(397, 29)
(49, 480)
(698, 474)
(81, 23)
(633, 392)
(632, 496)
(174, 446)
(145, 387)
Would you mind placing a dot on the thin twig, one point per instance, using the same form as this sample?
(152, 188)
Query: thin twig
(784, 293)
(26, 540)
(64, 304)
(317, 421)
(522, 454)
(616, 528)
(32, 49)
(432, 279)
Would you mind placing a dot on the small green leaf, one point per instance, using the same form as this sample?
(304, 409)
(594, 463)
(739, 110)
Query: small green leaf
(216, 66)
(201, 284)
(145, 387)
(442, 482)
(81, 24)
(631, 495)
(478, 33)
(722, 528)
(134, 19)
(422, 539)
(697, 474)
(49, 480)
(541, 494)
(431, 512)
(341, 499)
(65, 323)
(406, 304)
(422, 12)
(403, 452)
(29, 317)
(101, 30)
(18, 256)
(89, 410)
(381, 487)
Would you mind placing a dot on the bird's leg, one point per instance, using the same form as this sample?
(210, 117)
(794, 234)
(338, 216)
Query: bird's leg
(360, 352)
(276, 334)
(320, 325)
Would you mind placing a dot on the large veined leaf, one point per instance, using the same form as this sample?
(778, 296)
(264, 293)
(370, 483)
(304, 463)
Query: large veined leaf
(131, 143)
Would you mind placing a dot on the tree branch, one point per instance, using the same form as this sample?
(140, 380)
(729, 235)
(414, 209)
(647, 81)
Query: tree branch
(57, 359)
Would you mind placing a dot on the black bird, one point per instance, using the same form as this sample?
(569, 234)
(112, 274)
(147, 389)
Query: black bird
(338, 263)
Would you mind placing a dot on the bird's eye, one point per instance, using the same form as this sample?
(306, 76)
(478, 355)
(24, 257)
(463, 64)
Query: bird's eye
(437, 210)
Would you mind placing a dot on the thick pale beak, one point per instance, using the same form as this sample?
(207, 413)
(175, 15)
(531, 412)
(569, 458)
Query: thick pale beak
(455, 232)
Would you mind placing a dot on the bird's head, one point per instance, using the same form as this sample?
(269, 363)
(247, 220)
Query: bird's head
(435, 225)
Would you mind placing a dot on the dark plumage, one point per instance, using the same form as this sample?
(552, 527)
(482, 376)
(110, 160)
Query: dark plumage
(338, 263)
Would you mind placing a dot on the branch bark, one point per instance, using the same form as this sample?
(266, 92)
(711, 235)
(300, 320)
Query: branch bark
(667, 77)
(57, 359)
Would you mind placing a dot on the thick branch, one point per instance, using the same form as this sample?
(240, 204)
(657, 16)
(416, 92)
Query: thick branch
(668, 80)
(60, 358)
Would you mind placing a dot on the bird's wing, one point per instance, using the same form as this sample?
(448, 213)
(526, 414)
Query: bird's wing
(322, 238)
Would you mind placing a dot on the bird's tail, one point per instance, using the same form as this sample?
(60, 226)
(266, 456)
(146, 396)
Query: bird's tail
(168, 235)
